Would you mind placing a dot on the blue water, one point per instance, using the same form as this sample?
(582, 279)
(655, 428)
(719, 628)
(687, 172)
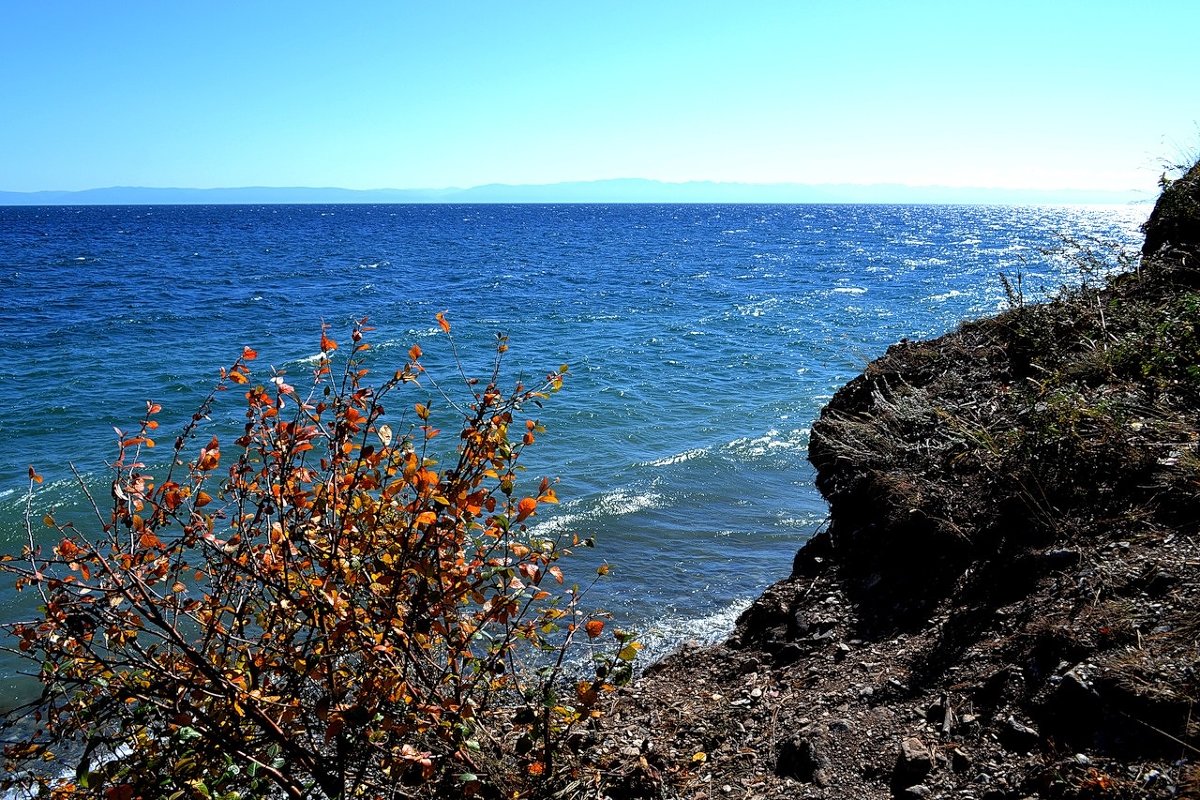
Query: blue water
(702, 342)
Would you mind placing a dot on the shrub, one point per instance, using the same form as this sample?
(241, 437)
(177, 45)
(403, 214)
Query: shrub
(317, 608)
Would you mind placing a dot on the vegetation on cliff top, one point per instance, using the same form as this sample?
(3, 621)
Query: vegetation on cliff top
(1020, 429)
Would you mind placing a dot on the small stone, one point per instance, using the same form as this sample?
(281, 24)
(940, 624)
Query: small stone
(799, 758)
(918, 791)
(756, 693)
(790, 653)
(1082, 760)
(1060, 558)
(913, 763)
(1018, 736)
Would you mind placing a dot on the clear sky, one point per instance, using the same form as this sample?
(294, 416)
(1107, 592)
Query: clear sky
(375, 94)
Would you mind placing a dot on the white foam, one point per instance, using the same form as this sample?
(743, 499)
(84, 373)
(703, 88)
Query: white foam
(772, 441)
(678, 458)
(946, 295)
(577, 513)
(850, 290)
(667, 634)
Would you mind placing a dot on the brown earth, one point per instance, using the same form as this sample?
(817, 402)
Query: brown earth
(1006, 602)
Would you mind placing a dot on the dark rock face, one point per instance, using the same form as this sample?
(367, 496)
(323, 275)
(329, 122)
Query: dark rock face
(1176, 216)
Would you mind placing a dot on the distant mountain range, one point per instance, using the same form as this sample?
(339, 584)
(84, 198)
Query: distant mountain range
(606, 191)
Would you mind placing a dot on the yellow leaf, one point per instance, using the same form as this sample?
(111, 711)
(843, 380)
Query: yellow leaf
(384, 432)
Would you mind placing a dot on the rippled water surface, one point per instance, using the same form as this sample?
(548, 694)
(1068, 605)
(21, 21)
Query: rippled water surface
(702, 342)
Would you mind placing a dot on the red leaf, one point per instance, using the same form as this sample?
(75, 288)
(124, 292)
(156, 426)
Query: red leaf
(441, 320)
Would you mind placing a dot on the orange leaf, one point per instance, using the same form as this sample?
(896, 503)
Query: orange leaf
(33, 476)
(414, 352)
(526, 507)
(249, 354)
(210, 456)
(426, 518)
(441, 320)
(594, 628)
(327, 344)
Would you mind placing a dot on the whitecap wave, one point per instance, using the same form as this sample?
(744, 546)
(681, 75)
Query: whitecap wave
(772, 441)
(579, 513)
(678, 458)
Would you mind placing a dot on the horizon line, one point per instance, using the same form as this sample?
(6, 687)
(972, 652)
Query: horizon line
(583, 181)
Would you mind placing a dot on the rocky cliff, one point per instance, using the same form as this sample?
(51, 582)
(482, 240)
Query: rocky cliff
(1006, 601)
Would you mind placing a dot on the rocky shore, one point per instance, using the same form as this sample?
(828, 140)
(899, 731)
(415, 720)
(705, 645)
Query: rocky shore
(1006, 600)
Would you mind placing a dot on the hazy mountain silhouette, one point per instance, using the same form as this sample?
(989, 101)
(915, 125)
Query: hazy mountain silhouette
(632, 190)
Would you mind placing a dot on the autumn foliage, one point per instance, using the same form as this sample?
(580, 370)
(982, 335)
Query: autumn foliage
(319, 607)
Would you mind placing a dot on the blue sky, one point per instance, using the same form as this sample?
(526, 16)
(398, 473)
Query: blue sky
(1045, 94)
